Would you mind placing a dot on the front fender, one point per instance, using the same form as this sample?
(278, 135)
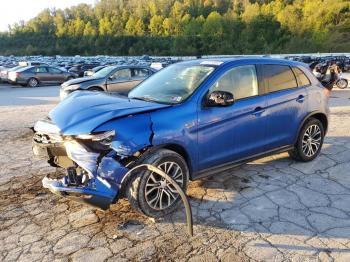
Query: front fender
(133, 133)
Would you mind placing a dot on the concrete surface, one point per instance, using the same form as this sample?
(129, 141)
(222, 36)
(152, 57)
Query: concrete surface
(273, 209)
(18, 95)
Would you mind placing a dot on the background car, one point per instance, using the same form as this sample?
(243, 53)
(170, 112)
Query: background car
(81, 68)
(94, 70)
(4, 74)
(119, 79)
(32, 76)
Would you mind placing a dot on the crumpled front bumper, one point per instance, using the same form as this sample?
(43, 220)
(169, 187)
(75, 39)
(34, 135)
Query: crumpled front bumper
(105, 177)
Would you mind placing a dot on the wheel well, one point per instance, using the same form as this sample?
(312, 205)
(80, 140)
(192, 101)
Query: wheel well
(182, 152)
(95, 88)
(33, 78)
(323, 120)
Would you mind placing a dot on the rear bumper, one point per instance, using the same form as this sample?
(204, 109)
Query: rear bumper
(17, 81)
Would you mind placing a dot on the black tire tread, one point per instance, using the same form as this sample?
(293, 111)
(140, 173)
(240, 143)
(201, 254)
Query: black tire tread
(133, 187)
(297, 153)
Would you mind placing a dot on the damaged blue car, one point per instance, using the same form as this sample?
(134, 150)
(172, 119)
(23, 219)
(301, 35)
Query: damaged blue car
(192, 119)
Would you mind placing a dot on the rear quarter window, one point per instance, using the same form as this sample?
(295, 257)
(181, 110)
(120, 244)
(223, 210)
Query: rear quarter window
(302, 79)
(279, 77)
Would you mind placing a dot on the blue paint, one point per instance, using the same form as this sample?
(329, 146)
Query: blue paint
(209, 136)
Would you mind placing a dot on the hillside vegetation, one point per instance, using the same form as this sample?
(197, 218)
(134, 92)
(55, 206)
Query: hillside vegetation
(184, 27)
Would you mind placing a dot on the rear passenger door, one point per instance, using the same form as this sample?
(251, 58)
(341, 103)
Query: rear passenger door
(286, 104)
(56, 75)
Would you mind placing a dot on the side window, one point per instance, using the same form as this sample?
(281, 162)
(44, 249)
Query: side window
(139, 73)
(279, 77)
(241, 81)
(40, 70)
(121, 75)
(302, 79)
(54, 70)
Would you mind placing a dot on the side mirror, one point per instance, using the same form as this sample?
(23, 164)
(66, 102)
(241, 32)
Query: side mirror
(220, 98)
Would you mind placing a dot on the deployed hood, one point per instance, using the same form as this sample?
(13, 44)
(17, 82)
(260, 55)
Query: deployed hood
(79, 81)
(83, 111)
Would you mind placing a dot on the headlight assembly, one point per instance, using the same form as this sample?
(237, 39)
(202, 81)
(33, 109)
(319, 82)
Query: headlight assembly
(71, 87)
(104, 138)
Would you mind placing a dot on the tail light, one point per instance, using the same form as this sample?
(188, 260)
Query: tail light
(17, 74)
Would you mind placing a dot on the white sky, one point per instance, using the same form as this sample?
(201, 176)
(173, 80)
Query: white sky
(12, 11)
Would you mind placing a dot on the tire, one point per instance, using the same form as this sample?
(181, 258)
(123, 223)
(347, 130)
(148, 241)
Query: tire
(342, 83)
(70, 78)
(310, 141)
(33, 82)
(145, 188)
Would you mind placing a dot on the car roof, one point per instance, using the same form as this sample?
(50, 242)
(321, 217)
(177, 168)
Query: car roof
(131, 66)
(228, 60)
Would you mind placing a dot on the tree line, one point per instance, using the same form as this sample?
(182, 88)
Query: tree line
(184, 27)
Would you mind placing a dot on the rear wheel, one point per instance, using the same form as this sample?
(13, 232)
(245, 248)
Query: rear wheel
(33, 82)
(149, 193)
(309, 141)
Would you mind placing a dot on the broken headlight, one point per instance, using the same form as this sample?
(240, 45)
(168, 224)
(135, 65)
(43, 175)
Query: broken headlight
(46, 127)
(104, 138)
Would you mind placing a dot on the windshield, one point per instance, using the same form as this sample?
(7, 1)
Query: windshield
(172, 84)
(104, 72)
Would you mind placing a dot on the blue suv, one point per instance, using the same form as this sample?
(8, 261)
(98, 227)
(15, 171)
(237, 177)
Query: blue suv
(192, 119)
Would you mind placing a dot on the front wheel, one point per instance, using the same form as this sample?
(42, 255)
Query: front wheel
(342, 83)
(149, 193)
(310, 140)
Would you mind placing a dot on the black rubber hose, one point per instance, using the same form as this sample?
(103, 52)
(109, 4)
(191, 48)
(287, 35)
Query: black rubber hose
(177, 187)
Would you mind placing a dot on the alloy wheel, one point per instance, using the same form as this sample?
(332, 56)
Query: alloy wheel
(33, 82)
(311, 140)
(159, 193)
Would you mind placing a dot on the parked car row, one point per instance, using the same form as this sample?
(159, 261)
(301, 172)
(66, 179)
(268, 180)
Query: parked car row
(37, 70)
(341, 60)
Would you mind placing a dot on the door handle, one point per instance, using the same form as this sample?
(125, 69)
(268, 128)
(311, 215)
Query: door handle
(300, 99)
(258, 111)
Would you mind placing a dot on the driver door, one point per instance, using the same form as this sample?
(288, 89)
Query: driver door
(56, 75)
(234, 132)
(120, 81)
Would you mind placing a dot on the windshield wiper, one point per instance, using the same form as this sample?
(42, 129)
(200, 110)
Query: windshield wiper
(144, 98)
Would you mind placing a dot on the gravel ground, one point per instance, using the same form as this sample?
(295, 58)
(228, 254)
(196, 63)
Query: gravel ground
(272, 209)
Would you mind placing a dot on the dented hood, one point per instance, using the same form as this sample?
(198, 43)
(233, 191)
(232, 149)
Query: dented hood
(83, 111)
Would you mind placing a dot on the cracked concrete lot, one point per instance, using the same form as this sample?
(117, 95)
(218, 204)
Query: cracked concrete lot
(272, 209)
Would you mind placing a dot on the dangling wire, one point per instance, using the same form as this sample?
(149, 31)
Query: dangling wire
(173, 183)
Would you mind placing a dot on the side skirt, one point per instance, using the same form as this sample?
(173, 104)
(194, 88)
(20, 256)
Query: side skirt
(223, 167)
